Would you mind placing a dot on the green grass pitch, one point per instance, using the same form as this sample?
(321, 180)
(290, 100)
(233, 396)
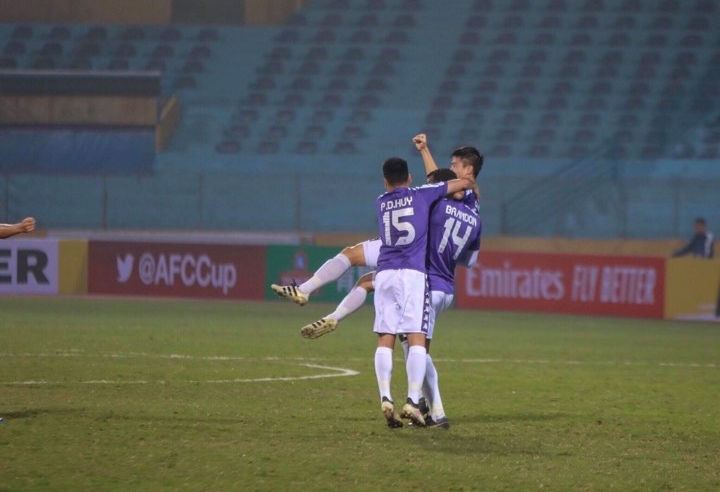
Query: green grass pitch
(167, 395)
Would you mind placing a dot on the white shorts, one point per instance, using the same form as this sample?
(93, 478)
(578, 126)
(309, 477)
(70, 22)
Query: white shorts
(402, 302)
(439, 302)
(371, 250)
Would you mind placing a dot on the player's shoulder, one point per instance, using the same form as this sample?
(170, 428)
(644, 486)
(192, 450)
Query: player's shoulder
(433, 188)
(469, 207)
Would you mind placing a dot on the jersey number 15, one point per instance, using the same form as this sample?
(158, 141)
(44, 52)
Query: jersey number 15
(395, 219)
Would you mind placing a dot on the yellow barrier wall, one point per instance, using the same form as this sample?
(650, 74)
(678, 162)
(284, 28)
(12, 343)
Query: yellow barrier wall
(621, 247)
(269, 12)
(73, 260)
(79, 110)
(691, 288)
(87, 11)
(169, 119)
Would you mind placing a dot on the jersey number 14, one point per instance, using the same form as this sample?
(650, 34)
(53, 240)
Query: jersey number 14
(452, 232)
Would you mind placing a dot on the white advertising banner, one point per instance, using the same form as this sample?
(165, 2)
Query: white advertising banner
(29, 266)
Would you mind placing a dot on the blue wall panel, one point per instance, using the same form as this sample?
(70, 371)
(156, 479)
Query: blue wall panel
(77, 150)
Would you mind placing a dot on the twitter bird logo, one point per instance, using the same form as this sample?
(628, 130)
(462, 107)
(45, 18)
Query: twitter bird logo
(124, 268)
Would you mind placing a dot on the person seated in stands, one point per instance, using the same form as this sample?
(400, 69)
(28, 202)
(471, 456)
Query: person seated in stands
(701, 244)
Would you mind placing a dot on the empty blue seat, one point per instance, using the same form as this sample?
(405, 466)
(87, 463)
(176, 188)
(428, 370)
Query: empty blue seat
(156, 64)
(411, 5)
(332, 19)
(345, 148)
(59, 33)
(14, 47)
(22, 32)
(285, 116)
(193, 66)
(338, 84)
(8, 62)
(238, 131)
(593, 6)
(705, 6)
(301, 83)
(315, 132)
(183, 82)
(367, 20)
(87, 49)
(375, 4)
(162, 50)
(556, 6)
(324, 36)
(267, 147)
(125, 50)
(306, 147)
(360, 116)
(133, 33)
(330, 100)
(80, 64)
(228, 147)
(207, 34)
(118, 64)
(96, 33)
(171, 34)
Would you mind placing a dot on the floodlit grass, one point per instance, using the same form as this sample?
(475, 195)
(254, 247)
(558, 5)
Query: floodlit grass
(137, 395)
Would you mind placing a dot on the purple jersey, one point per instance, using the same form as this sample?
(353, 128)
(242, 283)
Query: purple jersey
(471, 200)
(403, 216)
(455, 230)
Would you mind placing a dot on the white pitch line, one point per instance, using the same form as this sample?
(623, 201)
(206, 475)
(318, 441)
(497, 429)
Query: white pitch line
(339, 373)
(577, 362)
(77, 353)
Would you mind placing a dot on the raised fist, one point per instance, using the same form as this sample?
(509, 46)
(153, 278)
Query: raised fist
(420, 141)
(27, 224)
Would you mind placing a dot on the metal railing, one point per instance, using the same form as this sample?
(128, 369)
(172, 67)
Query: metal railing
(556, 205)
(588, 199)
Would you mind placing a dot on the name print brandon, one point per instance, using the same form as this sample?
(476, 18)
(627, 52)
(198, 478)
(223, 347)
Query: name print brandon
(460, 215)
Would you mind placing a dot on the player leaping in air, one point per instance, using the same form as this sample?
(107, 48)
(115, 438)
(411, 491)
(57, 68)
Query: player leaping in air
(366, 252)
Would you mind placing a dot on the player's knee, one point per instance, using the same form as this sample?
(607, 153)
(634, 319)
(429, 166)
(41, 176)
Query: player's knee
(366, 282)
(354, 254)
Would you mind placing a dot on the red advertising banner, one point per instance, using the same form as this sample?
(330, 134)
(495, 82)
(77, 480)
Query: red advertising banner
(176, 270)
(564, 283)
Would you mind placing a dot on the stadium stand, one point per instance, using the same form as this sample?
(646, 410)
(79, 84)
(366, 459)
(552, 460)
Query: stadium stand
(176, 51)
(538, 85)
(578, 65)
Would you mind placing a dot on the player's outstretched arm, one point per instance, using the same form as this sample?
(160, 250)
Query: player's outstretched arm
(26, 225)
(420, 142)
(455, 185)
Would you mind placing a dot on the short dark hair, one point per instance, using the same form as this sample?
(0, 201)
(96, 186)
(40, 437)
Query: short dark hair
(395, 171)
(440, 175)
(700, 220)
(471, 156)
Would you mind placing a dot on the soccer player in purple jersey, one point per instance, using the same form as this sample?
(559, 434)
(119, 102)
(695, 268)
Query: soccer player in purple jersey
(453, 238)
(401, 289)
